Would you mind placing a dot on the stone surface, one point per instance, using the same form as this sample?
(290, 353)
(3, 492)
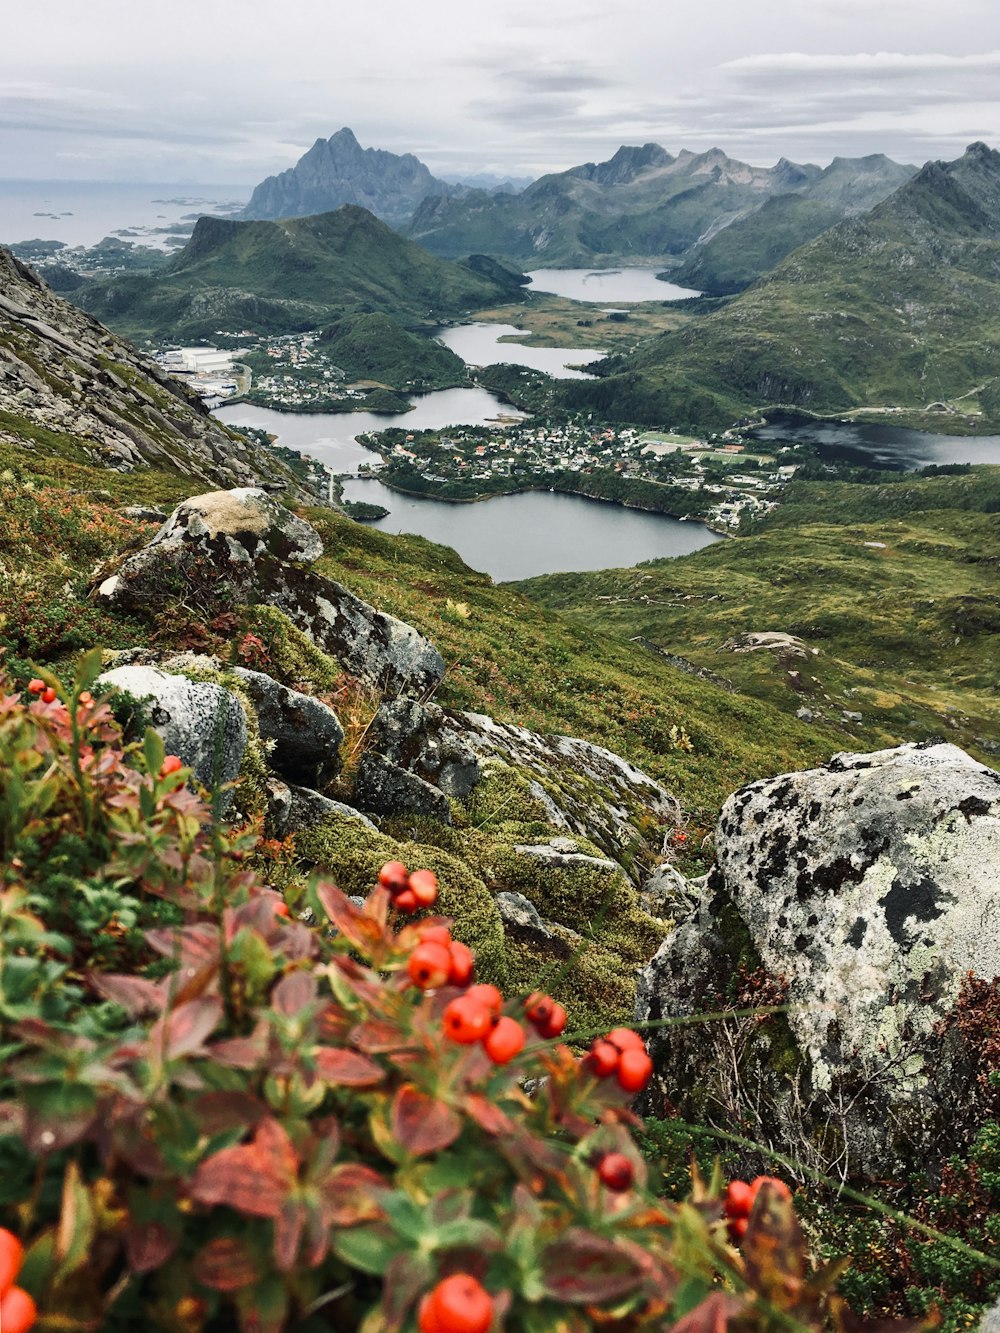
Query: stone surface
(523, 922)
(308, 808)
(235, 547)
(991, 1320)
(667, 894)
(384, 789)
(61, 371)
(200, 722)
(305, 733)
(871, 887)
(422, 738)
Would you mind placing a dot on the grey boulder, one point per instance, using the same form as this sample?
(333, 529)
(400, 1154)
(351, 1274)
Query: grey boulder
(303, 733)
(202, 723)
(865, 892)
(384, 789)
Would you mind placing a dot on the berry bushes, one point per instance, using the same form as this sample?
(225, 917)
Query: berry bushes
(226, 1117)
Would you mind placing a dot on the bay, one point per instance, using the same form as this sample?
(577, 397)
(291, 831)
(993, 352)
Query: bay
(538, 532)
(480, 345)
(630, 285)
(330, 437)
(891, 448)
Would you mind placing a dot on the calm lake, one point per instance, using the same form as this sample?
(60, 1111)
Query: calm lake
(518, 536)
(608, 284)
(480, 345)
(888, 447)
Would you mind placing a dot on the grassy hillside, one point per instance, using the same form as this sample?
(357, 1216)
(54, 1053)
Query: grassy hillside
(289, 275)
(377, 347)
(900, 307)
(893, 590)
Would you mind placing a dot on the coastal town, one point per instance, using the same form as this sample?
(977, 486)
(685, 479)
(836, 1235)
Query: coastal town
(721, 480)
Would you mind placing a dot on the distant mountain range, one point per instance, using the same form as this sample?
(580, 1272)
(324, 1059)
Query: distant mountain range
(899, 307)
(646, 203)
(294, 274)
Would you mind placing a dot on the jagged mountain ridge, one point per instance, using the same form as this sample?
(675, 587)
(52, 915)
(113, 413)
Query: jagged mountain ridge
(338, 171)
(899, 307)
(70, 386)
(293, 274)
(642, 202)
(731, 258)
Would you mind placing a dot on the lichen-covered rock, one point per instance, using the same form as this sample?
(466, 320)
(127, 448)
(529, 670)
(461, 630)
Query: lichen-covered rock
(242, 547)
(384, 789)
(991, 1320)
(200, 722)
(423, 738)
(307, 808)
(866, 891)
(303, 732)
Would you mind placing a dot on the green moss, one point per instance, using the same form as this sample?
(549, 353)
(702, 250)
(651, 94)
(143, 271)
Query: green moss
(292, 657)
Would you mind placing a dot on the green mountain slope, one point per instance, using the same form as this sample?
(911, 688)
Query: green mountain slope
(285, 276)
(732, 258)
(376, 347)
(891, 590)
(900, 307)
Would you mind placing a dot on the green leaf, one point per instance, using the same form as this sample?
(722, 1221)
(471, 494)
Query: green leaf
(368, 1248)
(154, 750)
(75, 1233)
(88, 669)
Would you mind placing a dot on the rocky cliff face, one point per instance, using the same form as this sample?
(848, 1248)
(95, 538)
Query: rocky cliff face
(69, 386)
(339, 171)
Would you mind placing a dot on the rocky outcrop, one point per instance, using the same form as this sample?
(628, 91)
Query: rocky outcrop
(863, 894)
(202, 723)
(385, 789)
(241, 546)
(303, 734)
(338, 171)
(64, 374)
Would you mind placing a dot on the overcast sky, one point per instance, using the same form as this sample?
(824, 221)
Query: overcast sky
(230, 91)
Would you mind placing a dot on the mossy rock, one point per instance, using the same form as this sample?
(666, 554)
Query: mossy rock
(597, 991)
(352, 854)
(504, 800)
(293, 658)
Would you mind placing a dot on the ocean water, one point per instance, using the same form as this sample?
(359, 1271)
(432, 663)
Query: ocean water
(84, 212)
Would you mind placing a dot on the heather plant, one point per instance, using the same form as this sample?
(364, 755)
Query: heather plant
(213, 1113)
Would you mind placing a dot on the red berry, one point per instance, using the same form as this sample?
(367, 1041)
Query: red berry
(424, 886)
(458, 1304)
(393, 875)
(281, 909)
(11, 1258)
(779, 1186)
(616, 1171)
(504, 1041)
(35, 686)
(405, 901)
(48, 696)
(85, 698)
(463, 963)
(429, 965)
(466, 1021)
(625, 1039)
(634, 1069)
(737, 1229)
(739, 1199)
(439, 934)
(603, 1058)
(488, 996)
(538, 1008)
(172, 764)
(555, 1023)
(18, 1311)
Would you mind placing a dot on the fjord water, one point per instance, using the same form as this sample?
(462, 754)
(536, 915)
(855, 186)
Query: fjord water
(629, 285)
(539, 532)
(480, 345)
(892, 448)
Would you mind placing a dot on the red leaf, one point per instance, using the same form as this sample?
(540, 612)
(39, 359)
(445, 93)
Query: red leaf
(350, 1195)
(148, 1245)
(294, 992)
(219, 1112)
(584, 1268)
(378, 1035)
(183, 1030)
(487, 1115)
(253, 1178)
(359, 929)
(288, 1228)
(135, 994)
(193, 946)
(225, 1264)
(712, 1315)
(421, 1124)
(351, 1069)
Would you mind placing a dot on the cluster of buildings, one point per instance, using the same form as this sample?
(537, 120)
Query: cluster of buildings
(531, 452)
(210, 371)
